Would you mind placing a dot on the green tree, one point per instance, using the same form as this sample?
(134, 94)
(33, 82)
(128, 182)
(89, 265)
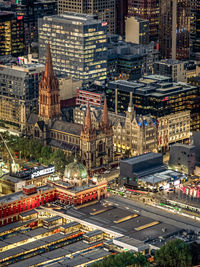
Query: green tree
(34, 148)
(174, 253)
(122, 260)
(58, 159)
(46, 153)
(195, 252)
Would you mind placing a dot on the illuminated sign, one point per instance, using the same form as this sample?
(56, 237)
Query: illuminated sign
(19, 17)
(43, 172)
(165, 99)
(104, 23)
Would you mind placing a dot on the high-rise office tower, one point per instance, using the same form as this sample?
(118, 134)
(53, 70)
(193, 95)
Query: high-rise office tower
(78, 45)
(174, 29)
(104, 9)
(121, 13)
(149, 10)
(137, 30)
(11, 34)
(19, 86)
(30, 11)
(195, 26)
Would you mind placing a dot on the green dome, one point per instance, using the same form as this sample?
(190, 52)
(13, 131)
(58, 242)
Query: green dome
(75, 170)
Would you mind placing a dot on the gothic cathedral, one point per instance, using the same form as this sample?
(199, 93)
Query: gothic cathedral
(94, 145)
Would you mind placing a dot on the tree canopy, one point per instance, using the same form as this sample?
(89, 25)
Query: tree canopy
(33, 149)
(122, 260)
(195, 252)
(175, 253)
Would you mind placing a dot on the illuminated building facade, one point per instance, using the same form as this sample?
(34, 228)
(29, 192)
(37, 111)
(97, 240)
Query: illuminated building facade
(155, 95)
(195, 26)
(18, 94)
(78, 45)
(12, 34)
(173, 128)
(14, 182)
(174, 29)
(148, 10)
(105, 10)
(137, 135)
(74, 189)
(30, 11)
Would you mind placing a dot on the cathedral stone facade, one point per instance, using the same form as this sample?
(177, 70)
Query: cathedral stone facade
(94, 145)
(133, 134)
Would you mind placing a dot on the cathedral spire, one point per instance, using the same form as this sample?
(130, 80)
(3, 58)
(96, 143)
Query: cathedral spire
(88, 132)
(49, 94)
(48, 66)
(105, 124)
(130, 114)
(105, 120)
(88, 122)
(130, 106)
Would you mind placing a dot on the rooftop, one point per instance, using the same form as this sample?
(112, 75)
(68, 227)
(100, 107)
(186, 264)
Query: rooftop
(52, 219)
(152, 85)
(142, 158)
(74, 18)
(20, 194)
(68, 127)
(170, 61)
(28, 213)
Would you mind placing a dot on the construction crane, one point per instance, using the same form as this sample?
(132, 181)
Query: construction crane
(14, 167)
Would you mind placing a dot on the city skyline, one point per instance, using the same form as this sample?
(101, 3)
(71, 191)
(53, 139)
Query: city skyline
(100, 133)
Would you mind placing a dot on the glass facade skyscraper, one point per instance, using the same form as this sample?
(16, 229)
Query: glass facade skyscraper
(11, 34)
(78, 45)
(149, 10)
(174, 29)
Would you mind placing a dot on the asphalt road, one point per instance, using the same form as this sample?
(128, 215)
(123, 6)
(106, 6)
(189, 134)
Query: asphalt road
(156, 213)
